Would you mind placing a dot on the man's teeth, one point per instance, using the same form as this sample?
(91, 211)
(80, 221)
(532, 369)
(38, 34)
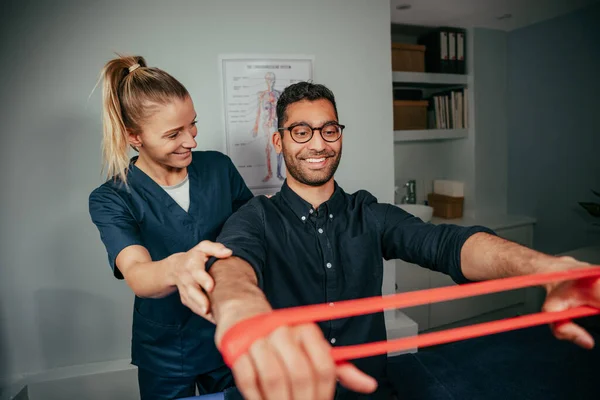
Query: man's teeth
(315, 160)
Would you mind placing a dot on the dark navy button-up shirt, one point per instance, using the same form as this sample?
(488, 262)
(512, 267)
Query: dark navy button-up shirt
(168, 338)
(303, 255)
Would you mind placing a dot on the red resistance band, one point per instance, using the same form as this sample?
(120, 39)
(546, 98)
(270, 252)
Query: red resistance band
(238, 339)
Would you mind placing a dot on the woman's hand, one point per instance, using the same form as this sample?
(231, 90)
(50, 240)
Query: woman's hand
(188, 273)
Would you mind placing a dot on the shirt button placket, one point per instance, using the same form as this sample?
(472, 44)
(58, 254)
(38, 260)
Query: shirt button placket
(329, 271)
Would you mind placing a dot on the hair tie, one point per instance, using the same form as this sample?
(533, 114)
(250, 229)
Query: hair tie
(133, 67)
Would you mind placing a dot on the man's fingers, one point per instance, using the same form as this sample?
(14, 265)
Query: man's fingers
(213, 249)
(568, 330)
(354, 379)
(272, 381)
(295, 362)
(318, 352)
(245, 378)
(573, 260)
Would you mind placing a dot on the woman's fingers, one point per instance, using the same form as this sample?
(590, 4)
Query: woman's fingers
(193, 298)
(213, 249)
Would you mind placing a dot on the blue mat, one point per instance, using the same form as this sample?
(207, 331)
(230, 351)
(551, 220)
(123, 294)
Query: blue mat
(217, 396)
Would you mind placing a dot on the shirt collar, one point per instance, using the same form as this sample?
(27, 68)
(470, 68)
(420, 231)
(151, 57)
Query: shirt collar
(303, 209)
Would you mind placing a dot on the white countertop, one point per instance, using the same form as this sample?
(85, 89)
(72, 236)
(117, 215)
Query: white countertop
(492, 221)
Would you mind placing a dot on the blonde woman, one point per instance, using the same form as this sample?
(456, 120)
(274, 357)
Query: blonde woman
(157, 215)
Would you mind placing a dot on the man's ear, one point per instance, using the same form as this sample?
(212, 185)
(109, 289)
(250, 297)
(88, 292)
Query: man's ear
(276, 140)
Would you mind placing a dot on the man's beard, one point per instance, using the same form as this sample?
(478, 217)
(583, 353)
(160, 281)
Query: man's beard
(312, 177)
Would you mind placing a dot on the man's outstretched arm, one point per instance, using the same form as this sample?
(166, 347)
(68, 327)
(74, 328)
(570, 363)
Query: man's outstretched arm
(293, 362)
(485, 257)
(477, 254)
(236, 295)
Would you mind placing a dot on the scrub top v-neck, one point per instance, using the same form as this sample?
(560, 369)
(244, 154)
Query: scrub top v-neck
(168, 339)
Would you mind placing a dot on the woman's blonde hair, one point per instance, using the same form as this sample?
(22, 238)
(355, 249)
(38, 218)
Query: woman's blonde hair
(130, 93)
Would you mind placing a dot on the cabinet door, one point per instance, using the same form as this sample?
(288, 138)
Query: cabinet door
(457, 310)
(534, 296)
(411, 277)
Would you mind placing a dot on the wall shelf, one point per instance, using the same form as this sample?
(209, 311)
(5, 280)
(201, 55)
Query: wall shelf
(425, 79)
(429, 134)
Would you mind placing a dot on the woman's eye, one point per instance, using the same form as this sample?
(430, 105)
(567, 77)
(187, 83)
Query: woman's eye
(173, 136)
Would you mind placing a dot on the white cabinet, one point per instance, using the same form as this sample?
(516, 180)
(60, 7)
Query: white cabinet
(411, 277)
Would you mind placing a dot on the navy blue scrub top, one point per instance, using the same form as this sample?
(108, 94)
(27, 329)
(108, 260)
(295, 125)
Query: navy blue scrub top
(168, 339)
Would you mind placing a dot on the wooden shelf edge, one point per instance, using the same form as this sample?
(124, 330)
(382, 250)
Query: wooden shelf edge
(429, 78)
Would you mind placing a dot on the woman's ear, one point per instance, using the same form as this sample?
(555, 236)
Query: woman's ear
(135, 139)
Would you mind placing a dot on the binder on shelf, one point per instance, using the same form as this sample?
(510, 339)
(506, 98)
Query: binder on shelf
(452, 51)
(457, 43)
(445, 50)
(461, 47)
(437, 58)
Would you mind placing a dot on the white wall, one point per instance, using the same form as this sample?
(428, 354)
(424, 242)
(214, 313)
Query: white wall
(553, 138)
(59, 305)
(491, 169)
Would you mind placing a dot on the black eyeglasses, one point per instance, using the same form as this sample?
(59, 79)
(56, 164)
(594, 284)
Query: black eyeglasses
(303, 133)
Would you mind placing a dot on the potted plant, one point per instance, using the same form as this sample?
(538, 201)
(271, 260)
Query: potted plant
(592, 208)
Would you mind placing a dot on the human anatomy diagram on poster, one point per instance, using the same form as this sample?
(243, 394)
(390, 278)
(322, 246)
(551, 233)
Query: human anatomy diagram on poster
(251, 87)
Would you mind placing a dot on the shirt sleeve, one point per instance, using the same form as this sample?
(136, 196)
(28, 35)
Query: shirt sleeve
(239, 191)
(244, 234)
(432, 246)
(118, 229)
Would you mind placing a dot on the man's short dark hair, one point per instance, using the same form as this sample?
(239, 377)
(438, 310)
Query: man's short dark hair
(302, 91)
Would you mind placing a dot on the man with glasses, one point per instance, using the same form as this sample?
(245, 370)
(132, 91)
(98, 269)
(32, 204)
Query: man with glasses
(314, 243)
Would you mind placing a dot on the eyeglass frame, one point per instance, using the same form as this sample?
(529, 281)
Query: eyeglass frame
(312, 131)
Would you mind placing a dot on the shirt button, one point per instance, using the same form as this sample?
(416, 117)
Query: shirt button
(311, 211)
(330, 216)
(332, 340)
(303, 218)
(328, 265)
(320, 230)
